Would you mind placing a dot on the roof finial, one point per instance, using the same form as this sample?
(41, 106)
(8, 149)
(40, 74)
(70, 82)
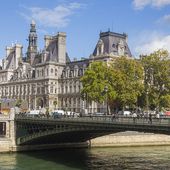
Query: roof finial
(32, 22)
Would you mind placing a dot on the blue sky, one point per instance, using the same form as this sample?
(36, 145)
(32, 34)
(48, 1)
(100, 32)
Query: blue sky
(147, 23)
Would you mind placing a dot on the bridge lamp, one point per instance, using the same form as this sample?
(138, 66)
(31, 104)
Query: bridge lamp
(106, 91)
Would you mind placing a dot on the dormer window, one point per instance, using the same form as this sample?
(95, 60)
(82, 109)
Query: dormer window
(121, 48)
(114, 45)
(100, 47)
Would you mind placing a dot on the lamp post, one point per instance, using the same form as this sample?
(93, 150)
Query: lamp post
(147, 100)
(0, 106)
(83, 104)
(106, 91)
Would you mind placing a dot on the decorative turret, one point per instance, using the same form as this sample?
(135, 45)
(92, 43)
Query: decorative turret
(32, 46)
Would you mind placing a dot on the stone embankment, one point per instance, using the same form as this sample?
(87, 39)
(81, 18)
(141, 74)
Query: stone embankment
(5, 145)
(130, 139)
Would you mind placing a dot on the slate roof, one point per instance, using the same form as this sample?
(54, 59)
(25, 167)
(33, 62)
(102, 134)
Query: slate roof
(111, 41)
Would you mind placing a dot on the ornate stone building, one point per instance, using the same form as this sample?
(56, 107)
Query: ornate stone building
(40, 78)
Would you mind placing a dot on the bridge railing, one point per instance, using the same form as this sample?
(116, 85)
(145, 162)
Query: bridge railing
(108, 119)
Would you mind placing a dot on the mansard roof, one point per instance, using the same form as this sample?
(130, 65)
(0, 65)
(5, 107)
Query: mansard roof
(111, 40)
(78, 63)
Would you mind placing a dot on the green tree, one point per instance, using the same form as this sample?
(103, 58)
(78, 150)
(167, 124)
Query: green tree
(96, 78)
(55, 103)
(122, 77)
(128, 80)
(165, 102)
(18, 103)
(157, 78)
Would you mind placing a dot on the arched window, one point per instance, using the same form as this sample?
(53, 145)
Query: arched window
(80, 72)
(47, 71)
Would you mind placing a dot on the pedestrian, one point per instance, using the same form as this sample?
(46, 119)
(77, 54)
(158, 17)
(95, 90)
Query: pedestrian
(134, 115)
(157, 117)
(150, 118)
(113, 117)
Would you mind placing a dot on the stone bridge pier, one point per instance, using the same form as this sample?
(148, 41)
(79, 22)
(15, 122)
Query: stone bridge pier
(8, 137)
(7, 133)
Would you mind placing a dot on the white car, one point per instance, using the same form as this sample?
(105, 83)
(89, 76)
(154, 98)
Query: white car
(126, 113)
(60, 112)
(33, 113)
(99, 114)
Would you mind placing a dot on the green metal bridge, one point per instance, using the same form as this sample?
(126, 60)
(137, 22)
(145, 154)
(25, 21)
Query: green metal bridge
(49, 130)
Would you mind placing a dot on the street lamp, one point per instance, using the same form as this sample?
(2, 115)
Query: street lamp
(147, 100)
(106, 92)
(0, 106)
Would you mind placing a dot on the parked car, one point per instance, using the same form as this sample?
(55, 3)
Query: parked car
(167, 113)
(33, 113)
(69, 113)
(124, 113)
(58, 113)
(99, 114)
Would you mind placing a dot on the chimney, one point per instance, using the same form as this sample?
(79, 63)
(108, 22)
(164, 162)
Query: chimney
(47, 40)
(18, 54)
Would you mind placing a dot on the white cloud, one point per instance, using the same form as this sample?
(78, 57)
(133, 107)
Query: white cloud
(165, 20)
(57, 17)
(140, 4)
(151, 42)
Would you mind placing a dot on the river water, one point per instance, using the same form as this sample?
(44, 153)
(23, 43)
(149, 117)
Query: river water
(129, 158)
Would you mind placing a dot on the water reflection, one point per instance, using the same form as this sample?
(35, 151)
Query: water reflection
(7, 161)
(145, 158)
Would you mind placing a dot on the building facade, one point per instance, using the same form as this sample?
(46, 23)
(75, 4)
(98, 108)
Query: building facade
(40, 78)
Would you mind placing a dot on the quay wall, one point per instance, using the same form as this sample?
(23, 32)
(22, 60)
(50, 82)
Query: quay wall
(130, 139)
(5, 145)
(112, 140)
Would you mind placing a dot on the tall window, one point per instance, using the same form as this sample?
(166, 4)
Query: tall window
(47, 71)
(37, 73)
(51, 89)
(55, 72)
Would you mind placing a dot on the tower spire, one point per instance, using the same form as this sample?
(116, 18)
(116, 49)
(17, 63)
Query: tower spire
(32, 43)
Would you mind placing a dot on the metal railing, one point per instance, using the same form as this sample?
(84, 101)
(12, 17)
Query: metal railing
(102, 119)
